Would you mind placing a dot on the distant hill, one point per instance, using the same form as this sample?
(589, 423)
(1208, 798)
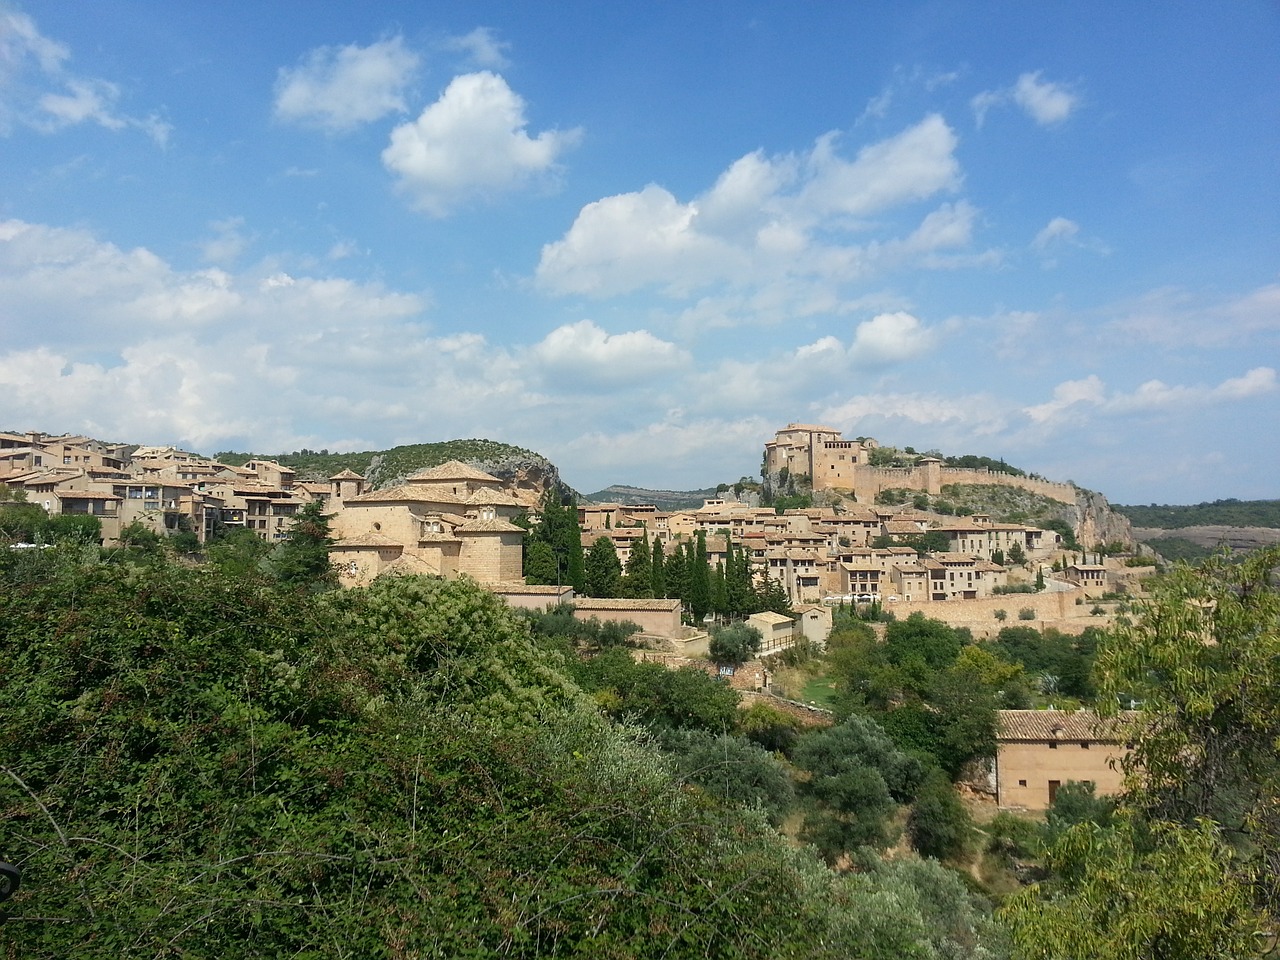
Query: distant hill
(1194, 531)
(663, 499)
(1219, 513)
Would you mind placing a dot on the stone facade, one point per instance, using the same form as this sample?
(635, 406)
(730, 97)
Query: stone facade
(1039, 751)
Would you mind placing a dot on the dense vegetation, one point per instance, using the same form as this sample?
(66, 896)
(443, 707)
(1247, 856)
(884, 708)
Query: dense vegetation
(198, 762)
(235, 760)
(1219, 513)
(382, 466)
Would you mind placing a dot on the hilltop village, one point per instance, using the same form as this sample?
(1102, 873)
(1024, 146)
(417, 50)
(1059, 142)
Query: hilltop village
(451, 520)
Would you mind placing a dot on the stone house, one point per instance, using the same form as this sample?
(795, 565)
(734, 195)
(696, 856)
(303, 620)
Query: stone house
(1038, 751)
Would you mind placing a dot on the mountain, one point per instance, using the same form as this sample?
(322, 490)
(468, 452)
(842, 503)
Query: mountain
(664, 499)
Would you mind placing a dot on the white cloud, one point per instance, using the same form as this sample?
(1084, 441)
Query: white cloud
(339, 88)
(1077, 398)
(40, 92)
(889, 338)
(471, 142)
(1045, 102)
(582, 353)
(1059, 228)
(1175, 318)
(483, 47)
(913, 165)
(632, 240)
(767, 221)
(228, 242)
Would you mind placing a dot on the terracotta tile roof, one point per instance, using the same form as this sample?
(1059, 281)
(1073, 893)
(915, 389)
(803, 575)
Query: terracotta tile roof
(768, 616)
(346, 475)
(608, 603)
(530, 589)
(86, 495)
(371, 539)
(452, 470)
(496, 525)
(406, 494)
(1046, 725)
(410, 564)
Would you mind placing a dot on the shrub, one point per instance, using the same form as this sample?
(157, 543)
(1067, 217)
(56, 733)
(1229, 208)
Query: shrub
(1001, 615)
(1027, 613)
(939, 825)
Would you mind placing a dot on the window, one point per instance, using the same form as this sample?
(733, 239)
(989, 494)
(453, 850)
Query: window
(1052, 745)
(1084, 744)
(1022, 783)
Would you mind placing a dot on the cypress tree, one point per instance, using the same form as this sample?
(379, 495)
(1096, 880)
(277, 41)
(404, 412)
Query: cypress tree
(677, 574)
(658, 569)
(699, 577)
(639, 579)
(719, 595)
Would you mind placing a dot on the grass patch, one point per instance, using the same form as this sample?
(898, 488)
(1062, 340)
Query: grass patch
(820, 691)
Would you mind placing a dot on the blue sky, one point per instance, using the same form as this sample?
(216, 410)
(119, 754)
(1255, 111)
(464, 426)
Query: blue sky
(640, 237)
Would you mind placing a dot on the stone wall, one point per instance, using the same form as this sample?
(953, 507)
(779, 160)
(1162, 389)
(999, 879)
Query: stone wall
(1058, 610)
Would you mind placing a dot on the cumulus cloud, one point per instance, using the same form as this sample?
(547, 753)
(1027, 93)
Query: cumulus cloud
(1045, 102)
(585, 354)
(1076, 398)
(42, 93)
(471, 142)
(483, 47)
(340, 88)
(767, 221)
(889, 338)
(915, 164)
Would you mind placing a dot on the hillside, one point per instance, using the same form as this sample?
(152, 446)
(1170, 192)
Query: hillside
(1193, 531)
(664, 499)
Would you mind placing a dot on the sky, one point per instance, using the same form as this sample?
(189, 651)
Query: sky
(640, 237)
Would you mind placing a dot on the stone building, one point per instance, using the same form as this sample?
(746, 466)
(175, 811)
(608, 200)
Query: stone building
(1038, 751)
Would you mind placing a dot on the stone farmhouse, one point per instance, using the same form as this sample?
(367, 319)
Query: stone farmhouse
(1038, 751)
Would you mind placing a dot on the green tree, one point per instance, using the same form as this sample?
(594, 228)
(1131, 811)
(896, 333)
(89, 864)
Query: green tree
(1017, 555)
(140, 539)
(603, 569)
(698, 578)
(733, 769)
(1135, 891)
(303, 559)
(1203, 659)
(657, 569)
(735, 644)
(638, 581)
(857, 776)
(237, 552)
(939, 825)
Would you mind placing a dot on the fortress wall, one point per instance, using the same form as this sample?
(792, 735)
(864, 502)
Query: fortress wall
(1063, 492)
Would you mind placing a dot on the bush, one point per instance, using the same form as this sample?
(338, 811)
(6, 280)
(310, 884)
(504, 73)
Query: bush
(1011, 837)
(1026, 613)
(938, 825)
(1001, 615)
